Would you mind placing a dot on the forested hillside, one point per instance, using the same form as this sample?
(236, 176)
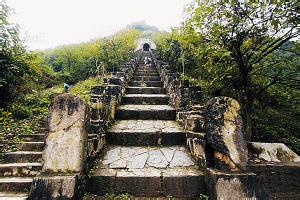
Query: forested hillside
(246, 51)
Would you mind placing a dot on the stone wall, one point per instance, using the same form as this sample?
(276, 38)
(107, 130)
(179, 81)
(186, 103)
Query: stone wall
(65, 153)
(190, 110)
(104, 100)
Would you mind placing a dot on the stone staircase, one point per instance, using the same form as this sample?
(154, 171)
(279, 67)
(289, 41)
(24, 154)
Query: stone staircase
(146, 156)
(19, 167)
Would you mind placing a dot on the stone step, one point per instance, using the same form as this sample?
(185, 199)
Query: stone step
(146, 74)
(146, 78)
(29, 146)
(32, 137)
(144, 112)
(14, 195)
(145, 90)
(20, 169)
(149, 99)
(146, 83)
(146, 132)
(23, 156)
(15, 184)
(147, 69)
(147, 171)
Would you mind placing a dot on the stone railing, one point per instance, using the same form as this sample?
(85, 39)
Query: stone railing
(190, 110)
(104, 100)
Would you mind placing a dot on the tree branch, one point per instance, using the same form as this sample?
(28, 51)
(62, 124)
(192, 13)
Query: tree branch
(270, 84)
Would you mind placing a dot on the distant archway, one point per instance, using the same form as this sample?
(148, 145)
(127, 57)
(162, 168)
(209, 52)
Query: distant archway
(146, 47)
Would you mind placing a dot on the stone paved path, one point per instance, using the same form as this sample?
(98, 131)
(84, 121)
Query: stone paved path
(148, 158)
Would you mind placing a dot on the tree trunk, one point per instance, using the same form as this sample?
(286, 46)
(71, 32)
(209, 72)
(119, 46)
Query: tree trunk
(249, 117)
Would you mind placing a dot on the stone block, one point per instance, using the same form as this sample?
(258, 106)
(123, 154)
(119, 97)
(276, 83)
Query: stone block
(141, 182)
(234, 186)
(183, 183)
(196, 146)
(67, 187)
(102, 182)
(279, 179)
(224, 132)
(66, 142)
(195, 123)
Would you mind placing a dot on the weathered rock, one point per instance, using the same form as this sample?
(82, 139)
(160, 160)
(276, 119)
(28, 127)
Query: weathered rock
(224, 132)
(196, 145)
(66, 150)
(275, 152)
(57, 187)
(66, 143)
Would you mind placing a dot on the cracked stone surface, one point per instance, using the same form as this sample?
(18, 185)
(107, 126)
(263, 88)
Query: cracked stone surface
(146, 126)
(131, 158)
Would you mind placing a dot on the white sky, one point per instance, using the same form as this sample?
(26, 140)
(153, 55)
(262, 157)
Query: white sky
(49, 23)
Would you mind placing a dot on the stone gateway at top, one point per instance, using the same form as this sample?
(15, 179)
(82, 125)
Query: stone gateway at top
(145, 44)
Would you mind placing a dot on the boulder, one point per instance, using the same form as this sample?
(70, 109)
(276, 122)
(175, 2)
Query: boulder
(224, 133)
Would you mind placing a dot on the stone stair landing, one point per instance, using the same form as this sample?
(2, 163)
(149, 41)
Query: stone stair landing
(147, 171)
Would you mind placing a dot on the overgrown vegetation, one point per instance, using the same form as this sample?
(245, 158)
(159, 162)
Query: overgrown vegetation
(26, 117)
(248, 51)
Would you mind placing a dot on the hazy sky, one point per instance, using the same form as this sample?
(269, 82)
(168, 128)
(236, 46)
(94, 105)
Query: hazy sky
(49, 23)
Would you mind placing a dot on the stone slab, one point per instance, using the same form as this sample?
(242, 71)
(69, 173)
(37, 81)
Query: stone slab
(23, 156)
(20, 169)
(66, 142)
(57, 187)
(184, 183)
(15, 184)
(146, 78)
(234, 185)
(146, 132)
(274, 152)
(145, 90)
(146, 99)
(147, 173)
(146, 112)
(146, 84)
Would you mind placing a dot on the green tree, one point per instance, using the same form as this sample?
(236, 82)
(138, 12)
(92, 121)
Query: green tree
(234, 48)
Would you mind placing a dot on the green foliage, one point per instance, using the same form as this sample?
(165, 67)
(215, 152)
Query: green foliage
(26, 116)
(80, 61)
(124, 196)
(243, 50)
(21, 71)
(203, 197)
(83, 88)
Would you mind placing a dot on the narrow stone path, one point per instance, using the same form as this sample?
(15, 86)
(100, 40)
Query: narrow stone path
(146, 156)
(19, 167)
